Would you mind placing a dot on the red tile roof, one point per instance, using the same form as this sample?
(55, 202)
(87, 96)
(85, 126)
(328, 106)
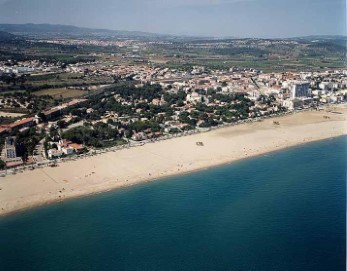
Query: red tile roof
(76, 146)
(21, 122)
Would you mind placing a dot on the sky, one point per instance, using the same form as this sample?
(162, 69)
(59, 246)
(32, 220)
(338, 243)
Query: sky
(215, 18)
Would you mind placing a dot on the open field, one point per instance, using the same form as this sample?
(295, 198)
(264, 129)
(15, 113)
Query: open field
(10, 115)
(61, 92)
(36, 83)
(65, 78)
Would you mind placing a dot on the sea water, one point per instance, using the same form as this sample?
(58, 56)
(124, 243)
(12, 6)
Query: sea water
(281, 211)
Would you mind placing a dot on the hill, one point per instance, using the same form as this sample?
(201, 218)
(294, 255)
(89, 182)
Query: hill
(5, 36)
(69, 30)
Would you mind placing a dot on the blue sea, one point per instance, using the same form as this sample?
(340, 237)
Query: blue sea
(281, 211)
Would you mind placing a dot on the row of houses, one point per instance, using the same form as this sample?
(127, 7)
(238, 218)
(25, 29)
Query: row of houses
(32, 121)
(20, 124)
(57, 111)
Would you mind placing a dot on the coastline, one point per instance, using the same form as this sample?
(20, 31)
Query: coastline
(158, 160)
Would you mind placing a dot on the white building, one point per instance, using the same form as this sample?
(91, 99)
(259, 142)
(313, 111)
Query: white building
(196, 98)
(292, 103)
(64, 146)
(54, 153)
(326, 86)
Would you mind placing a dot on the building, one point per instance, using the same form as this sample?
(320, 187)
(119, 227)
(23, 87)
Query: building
(64, 146)
(57, 111)
(326, 86)
(18, 125)
(9, 153)
(195, 97)
(27, 122)
(292, 104)
(68, 147)
(54, 153)
(53, 113)
(10, 147)
(139, 136)
(300, 89)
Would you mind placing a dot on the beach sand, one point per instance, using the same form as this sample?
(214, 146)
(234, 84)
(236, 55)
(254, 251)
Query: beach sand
(169, 157)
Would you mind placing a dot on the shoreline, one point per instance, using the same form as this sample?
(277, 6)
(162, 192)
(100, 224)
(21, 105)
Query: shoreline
(150, 162)
(148, 180)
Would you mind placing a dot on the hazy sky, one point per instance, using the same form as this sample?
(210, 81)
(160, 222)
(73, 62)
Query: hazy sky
(241, 18)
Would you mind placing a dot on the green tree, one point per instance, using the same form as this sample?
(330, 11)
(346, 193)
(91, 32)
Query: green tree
(2, 164)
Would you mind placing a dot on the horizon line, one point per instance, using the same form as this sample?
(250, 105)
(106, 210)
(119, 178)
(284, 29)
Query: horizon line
(179, 35)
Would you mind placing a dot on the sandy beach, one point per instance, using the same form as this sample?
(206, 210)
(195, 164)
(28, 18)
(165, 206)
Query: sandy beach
(160, 159)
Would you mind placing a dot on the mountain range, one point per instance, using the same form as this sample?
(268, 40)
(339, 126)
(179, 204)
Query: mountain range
(69, 30)
(57, 30)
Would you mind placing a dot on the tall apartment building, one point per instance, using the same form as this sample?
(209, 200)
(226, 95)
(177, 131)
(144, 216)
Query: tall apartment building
(300, 89)
(10, 147)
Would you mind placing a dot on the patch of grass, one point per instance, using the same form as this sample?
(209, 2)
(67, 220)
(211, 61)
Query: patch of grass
(12, 92)
(61, 92)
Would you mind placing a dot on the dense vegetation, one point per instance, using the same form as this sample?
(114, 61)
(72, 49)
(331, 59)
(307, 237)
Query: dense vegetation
(148, 92)
(27, 141)
(93, 136)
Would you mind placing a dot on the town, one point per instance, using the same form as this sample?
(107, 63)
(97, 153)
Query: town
(143, 103)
